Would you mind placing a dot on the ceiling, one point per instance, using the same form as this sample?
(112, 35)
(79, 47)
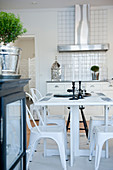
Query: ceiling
(33, 4)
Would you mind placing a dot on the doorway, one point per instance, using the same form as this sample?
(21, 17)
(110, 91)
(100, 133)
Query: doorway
(27, 68)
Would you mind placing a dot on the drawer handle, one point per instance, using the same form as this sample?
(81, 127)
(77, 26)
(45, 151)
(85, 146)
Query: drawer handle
(56, 86)
(92, 86)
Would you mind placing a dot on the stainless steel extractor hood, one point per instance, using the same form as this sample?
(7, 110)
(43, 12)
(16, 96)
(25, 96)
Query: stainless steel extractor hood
(82, 37)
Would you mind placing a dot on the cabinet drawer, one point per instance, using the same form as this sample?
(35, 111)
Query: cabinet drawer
(93, 87)
(107, 87)
(55, 87)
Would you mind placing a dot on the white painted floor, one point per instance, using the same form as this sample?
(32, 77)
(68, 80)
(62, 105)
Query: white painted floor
(40, 162)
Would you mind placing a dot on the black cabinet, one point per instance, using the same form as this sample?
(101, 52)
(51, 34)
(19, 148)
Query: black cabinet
(12, 124)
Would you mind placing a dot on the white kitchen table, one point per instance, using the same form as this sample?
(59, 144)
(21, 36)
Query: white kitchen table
(94, 100)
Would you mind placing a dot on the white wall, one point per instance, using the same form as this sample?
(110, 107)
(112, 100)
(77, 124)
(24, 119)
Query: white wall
(43, 24)
(110, 40)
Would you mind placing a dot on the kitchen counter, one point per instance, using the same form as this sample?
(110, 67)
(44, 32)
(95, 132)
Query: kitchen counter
(66, 81)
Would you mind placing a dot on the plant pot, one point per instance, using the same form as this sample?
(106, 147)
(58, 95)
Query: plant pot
(95, 76)
(10, 58)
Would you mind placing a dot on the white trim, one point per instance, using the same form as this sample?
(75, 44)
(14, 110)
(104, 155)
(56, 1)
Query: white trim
(27, 36)
(34, 10)
(54, 9)
(101, 7)
(37, 65)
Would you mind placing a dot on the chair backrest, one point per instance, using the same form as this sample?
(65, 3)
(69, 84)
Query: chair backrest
(36, 94)
(29, 113)
(29, 117)
(111, 120)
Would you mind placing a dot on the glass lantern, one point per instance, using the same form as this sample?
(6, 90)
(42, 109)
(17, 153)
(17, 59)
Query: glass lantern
(56, 71)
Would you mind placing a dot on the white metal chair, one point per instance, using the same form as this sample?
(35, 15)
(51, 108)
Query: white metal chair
(100, 135)
(50, 119)
(36, 96)
(94, 122)
(54, 119)
(97, 121)
(53, 132)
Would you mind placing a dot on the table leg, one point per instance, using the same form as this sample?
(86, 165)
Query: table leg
(45, 150)
(106, 110)
(74, 133)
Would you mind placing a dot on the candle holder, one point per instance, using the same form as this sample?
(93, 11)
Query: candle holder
(80, 96)
(73, 90)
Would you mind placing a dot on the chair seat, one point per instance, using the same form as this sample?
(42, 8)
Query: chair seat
(97, 121)
(49, 129)
(100, 135)
(97, 118)
(56, 117)
(103, 129)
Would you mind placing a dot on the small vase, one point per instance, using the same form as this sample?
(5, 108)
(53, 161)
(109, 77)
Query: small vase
(95, 76)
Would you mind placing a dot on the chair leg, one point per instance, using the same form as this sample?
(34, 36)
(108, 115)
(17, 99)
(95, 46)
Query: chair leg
(92, 146)
(32, 144)
(62, 153)
(35, 147)
(66, 146)
(68, 121)
(98, 155)
(45, 147)
(27, 158)
(31, 151)
(89, 131)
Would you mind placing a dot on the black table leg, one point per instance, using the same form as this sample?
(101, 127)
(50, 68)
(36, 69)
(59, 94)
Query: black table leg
(83, 121)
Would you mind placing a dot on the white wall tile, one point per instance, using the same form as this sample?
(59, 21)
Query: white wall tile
(77, 65)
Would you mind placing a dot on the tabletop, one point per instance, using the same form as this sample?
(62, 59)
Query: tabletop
(95, 99)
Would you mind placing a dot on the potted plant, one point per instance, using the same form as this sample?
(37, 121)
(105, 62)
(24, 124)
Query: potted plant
(95, 72)
(10, 28)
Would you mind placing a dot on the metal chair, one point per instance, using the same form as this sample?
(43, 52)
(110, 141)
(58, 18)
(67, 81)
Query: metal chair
(36, 96)
(37, 132)
(100, 135)
(54, 119)
(96, 121)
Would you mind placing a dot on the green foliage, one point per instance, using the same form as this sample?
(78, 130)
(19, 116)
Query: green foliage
(10, 27)
(95, 68)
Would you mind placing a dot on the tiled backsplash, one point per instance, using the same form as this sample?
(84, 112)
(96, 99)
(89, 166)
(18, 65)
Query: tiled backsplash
(66, 21)
(76, 65)
(98, 26)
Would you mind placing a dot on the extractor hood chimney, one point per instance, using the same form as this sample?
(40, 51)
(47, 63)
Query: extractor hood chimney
(82, 37)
